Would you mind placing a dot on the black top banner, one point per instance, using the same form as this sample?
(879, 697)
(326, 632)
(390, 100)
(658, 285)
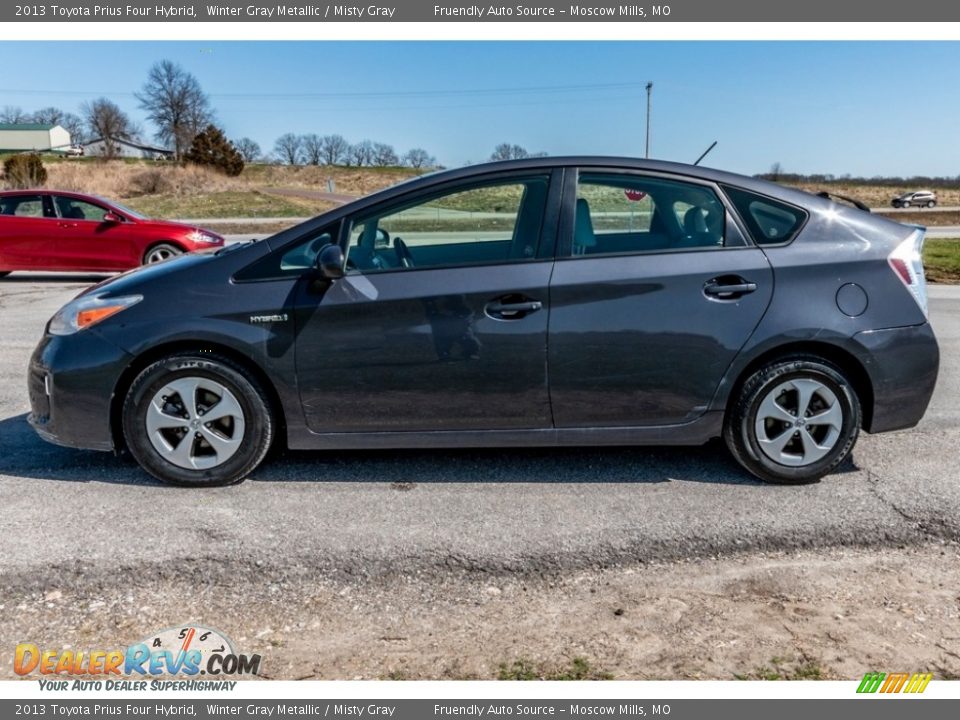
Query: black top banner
(534, 11)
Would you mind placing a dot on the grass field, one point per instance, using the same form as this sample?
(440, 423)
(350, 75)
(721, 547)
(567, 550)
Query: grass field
(224, 204)
(879, 196)
(941, 259)
(166, 190)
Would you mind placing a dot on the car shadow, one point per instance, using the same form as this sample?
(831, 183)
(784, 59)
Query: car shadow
(24, 455)
(33, 277)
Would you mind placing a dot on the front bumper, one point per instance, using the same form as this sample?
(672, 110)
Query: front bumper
(71, 380)
(903, 363)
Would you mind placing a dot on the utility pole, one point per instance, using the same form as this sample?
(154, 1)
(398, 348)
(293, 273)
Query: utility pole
(649, 91)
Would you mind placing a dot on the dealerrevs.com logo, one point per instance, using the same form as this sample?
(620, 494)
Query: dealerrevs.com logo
(190, 650)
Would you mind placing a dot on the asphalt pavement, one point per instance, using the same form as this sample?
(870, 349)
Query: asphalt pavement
(67, 515)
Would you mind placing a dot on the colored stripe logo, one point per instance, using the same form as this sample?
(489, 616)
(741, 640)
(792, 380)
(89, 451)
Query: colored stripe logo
(894, 682)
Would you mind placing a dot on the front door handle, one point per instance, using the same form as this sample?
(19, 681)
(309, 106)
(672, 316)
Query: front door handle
(728, 288)
(512, 308)
(67, 225)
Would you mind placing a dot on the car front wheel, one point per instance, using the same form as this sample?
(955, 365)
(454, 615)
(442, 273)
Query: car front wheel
(161, 252)
(197, 420)
(793, 420)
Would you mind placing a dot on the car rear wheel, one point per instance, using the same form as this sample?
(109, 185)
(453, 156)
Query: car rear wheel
(197, 420)
(932, 203)
(161, 252)
(794, 420)
(4, 273)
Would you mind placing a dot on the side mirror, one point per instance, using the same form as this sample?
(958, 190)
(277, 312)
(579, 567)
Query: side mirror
(112, 218)
(330, 261)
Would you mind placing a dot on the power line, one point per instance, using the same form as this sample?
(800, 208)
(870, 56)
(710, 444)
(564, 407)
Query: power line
(358, 94)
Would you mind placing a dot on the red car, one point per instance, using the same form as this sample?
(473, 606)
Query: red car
(64, 231)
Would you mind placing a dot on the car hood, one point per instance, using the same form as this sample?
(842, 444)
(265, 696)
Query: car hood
(185, 271)
(132, 281)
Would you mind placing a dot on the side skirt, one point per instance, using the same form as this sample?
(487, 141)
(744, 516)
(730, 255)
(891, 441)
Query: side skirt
(697, 432)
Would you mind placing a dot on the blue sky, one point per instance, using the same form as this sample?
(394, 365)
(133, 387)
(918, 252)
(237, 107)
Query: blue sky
(864, 108)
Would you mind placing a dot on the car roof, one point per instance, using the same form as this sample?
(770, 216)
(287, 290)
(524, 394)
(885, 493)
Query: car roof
(48, 191)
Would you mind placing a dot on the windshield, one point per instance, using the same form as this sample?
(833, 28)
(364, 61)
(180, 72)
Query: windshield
(123, 208)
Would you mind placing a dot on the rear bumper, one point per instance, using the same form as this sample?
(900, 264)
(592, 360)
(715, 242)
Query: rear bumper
(902, 363)
(70, 382)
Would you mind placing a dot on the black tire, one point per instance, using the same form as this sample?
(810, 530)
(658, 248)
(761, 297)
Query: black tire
(4, 273)
(258, 419)
(740, 430)
(153, 253)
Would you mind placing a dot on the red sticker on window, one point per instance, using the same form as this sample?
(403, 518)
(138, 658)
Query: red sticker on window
(635, 195)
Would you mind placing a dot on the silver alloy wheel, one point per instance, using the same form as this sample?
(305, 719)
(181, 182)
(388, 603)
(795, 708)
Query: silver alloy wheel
(798, 422)
(195, 423)
(159, 254)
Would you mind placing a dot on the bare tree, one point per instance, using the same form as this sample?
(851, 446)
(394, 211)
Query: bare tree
(73, 124)
(105, 120)
(13, 115)
(384, 155)
(175, 104)
(362, 153)
(248, 149)
(335, 149)
(776, 170)
(312, 149)
(419, 158)
(506, 151)
(289, 149)
(48, 116)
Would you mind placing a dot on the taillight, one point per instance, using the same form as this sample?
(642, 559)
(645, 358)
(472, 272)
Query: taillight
(906, 261)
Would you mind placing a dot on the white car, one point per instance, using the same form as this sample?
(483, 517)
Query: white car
(920, 198)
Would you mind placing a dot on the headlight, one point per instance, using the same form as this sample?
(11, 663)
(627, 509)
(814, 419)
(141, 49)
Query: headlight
(88, 310)
(198, 236)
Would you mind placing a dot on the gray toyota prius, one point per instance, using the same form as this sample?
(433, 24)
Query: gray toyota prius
(554, 301)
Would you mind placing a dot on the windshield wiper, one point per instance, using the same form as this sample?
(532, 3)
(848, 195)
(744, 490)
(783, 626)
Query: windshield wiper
(235, 246)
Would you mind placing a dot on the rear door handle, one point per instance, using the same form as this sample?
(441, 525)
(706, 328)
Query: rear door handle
(512, 310)
(728, 288)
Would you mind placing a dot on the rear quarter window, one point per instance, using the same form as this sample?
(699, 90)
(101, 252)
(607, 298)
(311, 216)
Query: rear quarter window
(770, 222)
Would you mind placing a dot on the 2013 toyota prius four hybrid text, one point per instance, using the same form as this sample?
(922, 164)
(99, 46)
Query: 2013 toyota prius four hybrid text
(555, 301)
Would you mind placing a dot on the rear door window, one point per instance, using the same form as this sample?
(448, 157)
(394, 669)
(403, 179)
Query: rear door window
(22, 206)
(618, 213)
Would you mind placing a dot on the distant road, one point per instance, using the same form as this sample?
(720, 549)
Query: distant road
(944, 231)
(210, 222)
(938, 208)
